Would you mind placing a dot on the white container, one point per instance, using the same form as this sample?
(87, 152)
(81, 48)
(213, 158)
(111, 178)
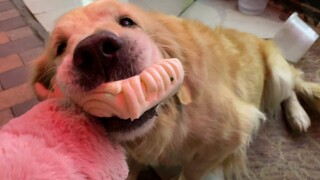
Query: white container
(252, 7)
(295, 38)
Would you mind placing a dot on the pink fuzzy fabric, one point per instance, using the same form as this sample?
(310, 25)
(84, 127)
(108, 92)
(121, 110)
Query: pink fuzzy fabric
(52, 141)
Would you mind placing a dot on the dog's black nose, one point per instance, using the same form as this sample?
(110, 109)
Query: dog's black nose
(96, 51)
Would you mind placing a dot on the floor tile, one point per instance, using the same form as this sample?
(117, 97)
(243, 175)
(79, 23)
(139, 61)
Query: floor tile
(30, 55)
(225, 13)
(12, 23)
(20, 45)
(49, 18)
(15, 95)
(21, 108)
(5, 116)
(15, 77)
(5, 15)
(19, 33)
(211, 12)
(47, 15)
(165, 6)
(10, 62)
(5, 6)
(4, 38)
(41, 6)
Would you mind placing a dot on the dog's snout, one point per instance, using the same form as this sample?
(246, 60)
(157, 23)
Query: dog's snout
(104, 57)
(96, 50)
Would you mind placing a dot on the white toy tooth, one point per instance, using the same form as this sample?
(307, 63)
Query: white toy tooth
(130, 98)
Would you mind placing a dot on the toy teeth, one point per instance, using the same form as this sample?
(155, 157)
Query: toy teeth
(130, 98)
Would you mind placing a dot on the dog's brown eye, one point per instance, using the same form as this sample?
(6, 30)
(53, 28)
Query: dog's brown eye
(61, 48)
(127, 22)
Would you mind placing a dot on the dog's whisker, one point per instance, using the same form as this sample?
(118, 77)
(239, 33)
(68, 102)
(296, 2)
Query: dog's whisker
(52, 89)
(131, 67)
(46, 75)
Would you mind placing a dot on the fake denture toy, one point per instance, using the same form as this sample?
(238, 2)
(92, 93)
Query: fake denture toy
(130, 98)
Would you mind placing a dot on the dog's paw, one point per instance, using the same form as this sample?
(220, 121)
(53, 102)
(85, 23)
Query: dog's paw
(298, 119)
(296, 116)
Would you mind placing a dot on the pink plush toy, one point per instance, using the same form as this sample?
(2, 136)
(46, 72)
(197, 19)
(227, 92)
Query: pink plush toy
(55, 140)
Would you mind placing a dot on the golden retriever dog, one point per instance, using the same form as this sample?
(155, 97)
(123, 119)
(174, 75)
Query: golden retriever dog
(232, 80)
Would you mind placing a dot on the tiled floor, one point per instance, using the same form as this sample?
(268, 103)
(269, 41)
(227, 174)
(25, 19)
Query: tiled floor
(211, 12)
(274, 154)
(19, 45)
(47, 14)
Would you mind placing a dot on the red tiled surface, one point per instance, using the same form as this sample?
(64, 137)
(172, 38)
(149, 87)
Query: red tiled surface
(8, 14)
(10, 62)
(19, 33)
(28, 56)
(19, 46)
(5, 115)
(21, 108)
(15, 95)
(15, 77)
(6, 5)
(4, 38)
(12, 23)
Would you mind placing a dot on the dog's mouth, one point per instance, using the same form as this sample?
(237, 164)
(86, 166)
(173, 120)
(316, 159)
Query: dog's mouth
(126, 105)
(119, 83)
(118, 125)
(103, 58)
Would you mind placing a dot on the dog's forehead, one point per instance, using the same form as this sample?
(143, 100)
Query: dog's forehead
(97, 12)
(97, 16)
(102, 10)
(91, 12)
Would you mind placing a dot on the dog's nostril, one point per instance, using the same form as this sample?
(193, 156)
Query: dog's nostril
(83, 58)
(95, 56)
(110, 46)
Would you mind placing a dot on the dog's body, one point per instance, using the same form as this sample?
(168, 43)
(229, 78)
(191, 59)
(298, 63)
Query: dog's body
(231, 80)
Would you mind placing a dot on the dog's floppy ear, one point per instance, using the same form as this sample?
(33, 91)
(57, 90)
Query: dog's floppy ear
(184, 94)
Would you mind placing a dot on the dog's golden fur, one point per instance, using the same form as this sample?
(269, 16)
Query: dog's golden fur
(232, 79)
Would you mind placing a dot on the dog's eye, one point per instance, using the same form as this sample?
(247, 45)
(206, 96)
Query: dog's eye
(127, 22)
(61, 48)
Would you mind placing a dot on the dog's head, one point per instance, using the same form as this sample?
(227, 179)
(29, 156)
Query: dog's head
(103, 42)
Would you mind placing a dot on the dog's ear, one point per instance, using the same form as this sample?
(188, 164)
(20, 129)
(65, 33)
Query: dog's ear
(184, 94)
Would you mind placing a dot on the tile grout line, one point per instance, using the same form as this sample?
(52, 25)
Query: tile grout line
(30, 19)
